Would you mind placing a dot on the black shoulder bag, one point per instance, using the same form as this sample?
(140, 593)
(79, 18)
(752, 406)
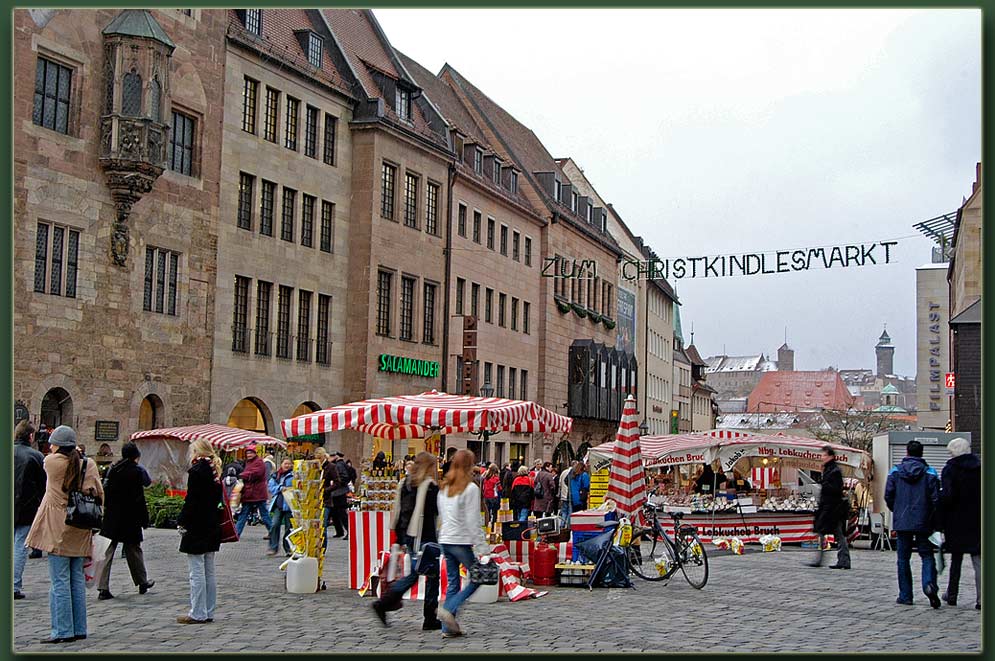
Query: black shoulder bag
(82, 509)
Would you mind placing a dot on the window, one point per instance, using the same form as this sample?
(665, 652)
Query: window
(487, 373)
(514, 182)
(461, 220)
(460, 288)
(475, 299)
(50, 258)
(488, 305)
(512, 374)
(264, 293)
(387, 179)
(497, 173)
(528, 251)
(240, 318)
(514, 313)
(250, 96)
(504, 240)
(290, 134)
(573, 201)
(384, 281)
(490, 233)
(590, 214)
(410, 200)
(478, 161)
(525, 317)
(53, 88)
(331, 126)
(311, 132)
(246, 184)
(402, 103)
(502, 299)
(524, 385)
(253, 21)
(187, 12)
(558, 187)
(516, 241)
(499, 389)
(287, 224)
(181, 144)
(131, 94)
(407, 307)
(304, 326)
(476, 227)
(314, 50)
(307, 220)
(327, 214)
(155, 100)
(160, 290)
(323, 349)
(272, 110)
(283, 322)
(428, 300)
(267, 200)
(432, 209)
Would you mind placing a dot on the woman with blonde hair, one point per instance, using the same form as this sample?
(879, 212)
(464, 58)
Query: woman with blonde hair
(461, 535)
(199, 524)
(67, 547)
(413, 519)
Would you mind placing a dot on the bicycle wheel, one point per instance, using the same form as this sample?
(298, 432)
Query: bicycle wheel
(653, 559)
(692, 557)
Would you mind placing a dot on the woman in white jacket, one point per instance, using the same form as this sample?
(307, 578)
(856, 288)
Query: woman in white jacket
(461, 535)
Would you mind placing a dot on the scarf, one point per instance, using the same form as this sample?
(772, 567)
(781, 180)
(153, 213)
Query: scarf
(418, 515)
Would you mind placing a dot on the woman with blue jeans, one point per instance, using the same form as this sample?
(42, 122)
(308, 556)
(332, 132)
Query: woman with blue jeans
(280, 508)
(67, 547)
(199, 524)
(461, 535)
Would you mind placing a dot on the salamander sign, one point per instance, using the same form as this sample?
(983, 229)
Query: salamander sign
(405, 365)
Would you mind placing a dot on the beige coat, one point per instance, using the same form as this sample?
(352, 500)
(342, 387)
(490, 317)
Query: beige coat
(49, 531)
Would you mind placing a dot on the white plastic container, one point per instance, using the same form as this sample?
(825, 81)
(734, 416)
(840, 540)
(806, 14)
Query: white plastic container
(302, 575)
(484, 594)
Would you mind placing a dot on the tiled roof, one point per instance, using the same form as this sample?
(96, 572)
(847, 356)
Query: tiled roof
(692, 353)
(278, 40)
(752, 363)
(789, 391)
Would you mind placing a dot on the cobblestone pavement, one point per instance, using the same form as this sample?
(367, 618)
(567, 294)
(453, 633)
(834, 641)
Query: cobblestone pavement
(764, 602)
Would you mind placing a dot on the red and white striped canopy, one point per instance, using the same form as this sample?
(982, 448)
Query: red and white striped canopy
(220, 436)
(416, 416)
(626, 477)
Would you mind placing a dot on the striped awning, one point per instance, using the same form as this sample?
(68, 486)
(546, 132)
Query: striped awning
(417, 416)
(220, 436)
(626, 477)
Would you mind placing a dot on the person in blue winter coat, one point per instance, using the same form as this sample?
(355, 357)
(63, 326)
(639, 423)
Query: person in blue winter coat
(580, 485)
(913, 495)
(281, 479)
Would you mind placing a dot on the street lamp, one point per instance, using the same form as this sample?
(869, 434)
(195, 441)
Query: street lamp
(644, 429)
(486, 390)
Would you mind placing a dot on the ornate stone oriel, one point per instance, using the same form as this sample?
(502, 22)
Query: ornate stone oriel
(133, 135)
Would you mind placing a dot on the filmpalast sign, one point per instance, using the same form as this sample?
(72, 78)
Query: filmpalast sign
(405, 365)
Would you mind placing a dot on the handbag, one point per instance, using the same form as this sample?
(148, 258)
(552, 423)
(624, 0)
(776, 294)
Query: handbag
(228, 531)
(428, 558)
(484, 573)
(82, 509)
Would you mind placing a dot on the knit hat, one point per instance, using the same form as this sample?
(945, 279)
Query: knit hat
(63, 436)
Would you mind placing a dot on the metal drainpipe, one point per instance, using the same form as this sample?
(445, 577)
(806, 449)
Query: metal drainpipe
(448, 278)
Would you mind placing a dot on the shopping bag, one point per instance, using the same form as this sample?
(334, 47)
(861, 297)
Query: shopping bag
(936, 539)
(95, 563)
(236, 494)
(228, 531)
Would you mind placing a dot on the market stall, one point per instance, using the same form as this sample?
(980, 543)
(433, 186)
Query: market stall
(770, 506)
(164, 451)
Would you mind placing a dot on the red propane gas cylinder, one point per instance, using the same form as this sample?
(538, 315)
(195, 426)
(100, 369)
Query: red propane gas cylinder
(544, 565)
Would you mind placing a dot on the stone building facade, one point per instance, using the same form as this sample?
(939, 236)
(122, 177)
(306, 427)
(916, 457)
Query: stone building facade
(932, 346)
(111, 337)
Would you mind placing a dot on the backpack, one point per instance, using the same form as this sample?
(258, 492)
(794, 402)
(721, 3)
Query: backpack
(539, 491)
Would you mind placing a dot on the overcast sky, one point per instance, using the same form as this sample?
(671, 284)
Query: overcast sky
(722, 131)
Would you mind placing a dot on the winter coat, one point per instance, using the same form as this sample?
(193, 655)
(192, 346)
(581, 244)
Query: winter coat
(461, 520)
(29, 482)
(353, 475)
(521, 493)
(960, 500)
(491, 487)
(507, 477)
(277, 483)
(200, 516)
(580, 485)
(833, 506)
(49, 531)
(125, 511)
(254, 478)
(548, 482)
(913, 495)
(328, 474)
(416, 516)
(340, 484)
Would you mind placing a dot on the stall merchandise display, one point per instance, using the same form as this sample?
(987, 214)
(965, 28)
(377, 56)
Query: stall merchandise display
(304, 498)
(706, 503)
(793, 503)
(377, 489)
(599, 487)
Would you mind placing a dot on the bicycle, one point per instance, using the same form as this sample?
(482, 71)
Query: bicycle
(657, 555)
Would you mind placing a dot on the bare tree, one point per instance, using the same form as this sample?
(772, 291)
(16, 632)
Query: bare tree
(854, 428)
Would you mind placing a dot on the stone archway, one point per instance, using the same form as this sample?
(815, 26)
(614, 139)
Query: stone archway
(57, 408)
(151, 413)
(252, 414)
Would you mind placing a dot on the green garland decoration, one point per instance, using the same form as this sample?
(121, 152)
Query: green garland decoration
(609, 323)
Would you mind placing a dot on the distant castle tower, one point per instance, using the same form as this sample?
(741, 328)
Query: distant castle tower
(886, 354)
(785, 358)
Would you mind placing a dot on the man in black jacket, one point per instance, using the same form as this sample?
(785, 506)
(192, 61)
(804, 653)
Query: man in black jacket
(339, 489)
(831, 515)
(29, 487)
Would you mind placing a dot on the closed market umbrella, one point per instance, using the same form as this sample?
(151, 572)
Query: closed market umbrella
(220, 436)
(626, 477)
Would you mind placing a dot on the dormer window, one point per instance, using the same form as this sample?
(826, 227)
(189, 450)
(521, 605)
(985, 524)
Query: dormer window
(558, 185)
(514, 182)
(573, 201)
(497, 172)
(254, 20)
(478, 161)
(590, 214)
(402, 103)
(314, 43)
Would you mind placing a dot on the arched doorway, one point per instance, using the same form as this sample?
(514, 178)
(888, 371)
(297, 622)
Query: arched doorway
(304, 408)
(248, 414)
(563, 454)
(150, 413)
(56, 408)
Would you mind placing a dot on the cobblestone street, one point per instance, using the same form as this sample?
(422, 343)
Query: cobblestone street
(753, 603)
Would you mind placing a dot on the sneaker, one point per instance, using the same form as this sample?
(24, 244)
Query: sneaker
(448, 619)
(80, 637)
(951, 601)
(271, 552)
(186, 619)
(380, 611)
(56, 641)
(934, 600)
(104, 594)
(145, 587)
(903, 602)
(431, 626)
(452, 634)
(18, 595)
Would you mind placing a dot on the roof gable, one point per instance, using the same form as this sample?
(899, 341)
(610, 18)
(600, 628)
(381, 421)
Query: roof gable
(789, 391)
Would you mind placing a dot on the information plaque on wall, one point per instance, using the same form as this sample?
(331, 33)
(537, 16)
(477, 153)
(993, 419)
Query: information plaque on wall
(106, 430)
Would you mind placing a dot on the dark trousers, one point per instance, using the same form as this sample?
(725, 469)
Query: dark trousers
(392, 598)
(339, 515)
(843, 554)
(491, 506)
(136, 565)
(953, 587)
(906, 540)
